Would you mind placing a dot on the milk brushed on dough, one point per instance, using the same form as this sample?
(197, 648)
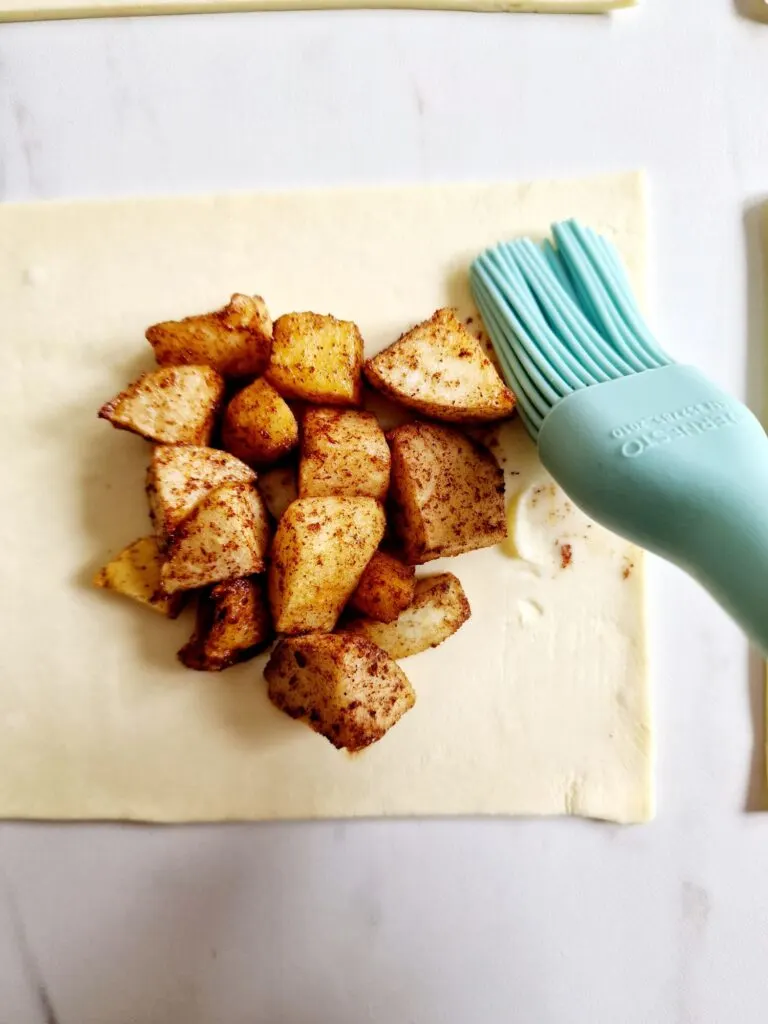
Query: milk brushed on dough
(39, 10)
(544, 712)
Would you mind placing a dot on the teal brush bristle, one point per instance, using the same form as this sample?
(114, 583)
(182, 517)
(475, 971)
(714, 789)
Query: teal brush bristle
(561, 317)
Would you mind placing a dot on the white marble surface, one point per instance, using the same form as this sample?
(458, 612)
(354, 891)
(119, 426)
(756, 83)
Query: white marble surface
(406, 922)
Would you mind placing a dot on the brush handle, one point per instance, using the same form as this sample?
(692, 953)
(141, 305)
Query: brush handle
(676, 465)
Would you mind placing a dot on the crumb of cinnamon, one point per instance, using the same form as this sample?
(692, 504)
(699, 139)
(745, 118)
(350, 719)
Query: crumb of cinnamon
(566, 555)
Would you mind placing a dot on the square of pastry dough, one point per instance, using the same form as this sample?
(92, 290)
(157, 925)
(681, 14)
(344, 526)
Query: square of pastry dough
(35, 10)
(538, 706)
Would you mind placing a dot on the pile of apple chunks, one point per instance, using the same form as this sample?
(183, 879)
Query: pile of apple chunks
(319, 551)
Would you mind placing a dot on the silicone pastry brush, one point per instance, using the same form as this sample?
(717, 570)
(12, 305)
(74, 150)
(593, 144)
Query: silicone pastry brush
(649, 448)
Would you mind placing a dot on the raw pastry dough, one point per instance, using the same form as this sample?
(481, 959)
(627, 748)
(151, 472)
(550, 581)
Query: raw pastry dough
(41, 10)
(539, 705)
